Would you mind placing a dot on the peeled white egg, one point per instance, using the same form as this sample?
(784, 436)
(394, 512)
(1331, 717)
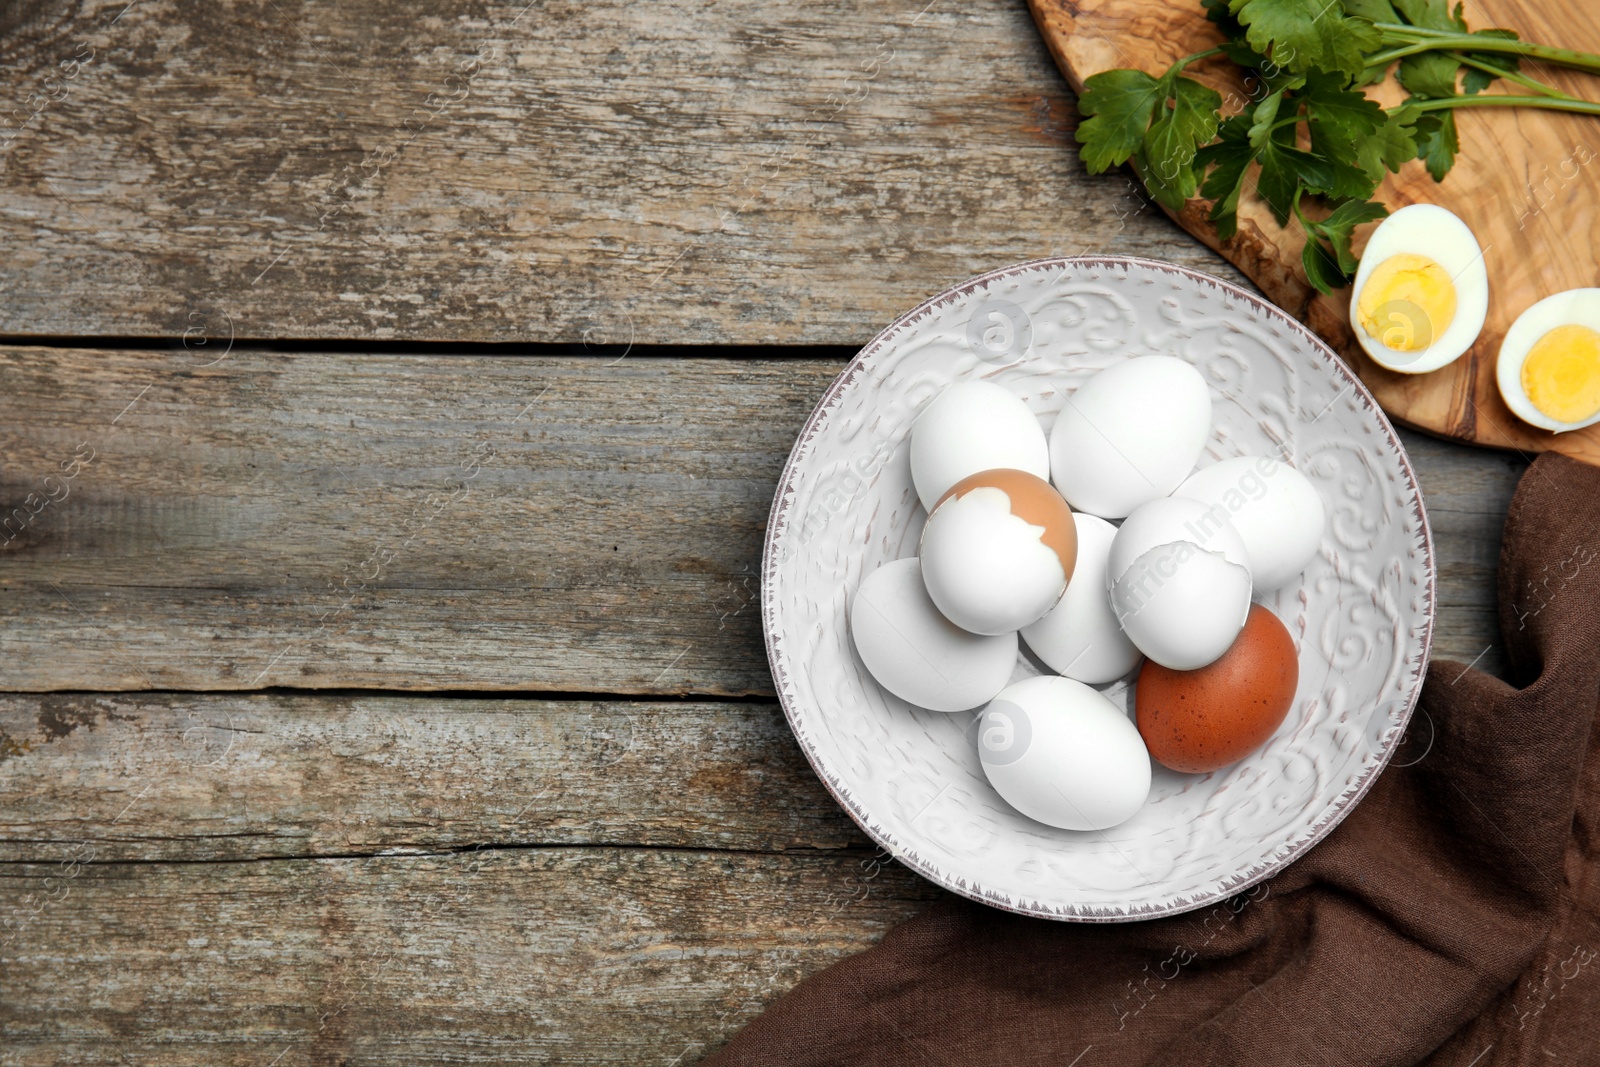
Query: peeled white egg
(998, 550)
(1179, 576)
(972, 427)
(1421, 290)
(1062, 754)
(916, 653)
(1130, 434)
(1277, 511)
(1080, 637)
(1549, 364)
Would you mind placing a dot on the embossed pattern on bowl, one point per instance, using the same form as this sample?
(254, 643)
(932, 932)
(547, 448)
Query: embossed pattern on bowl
(1362, 615)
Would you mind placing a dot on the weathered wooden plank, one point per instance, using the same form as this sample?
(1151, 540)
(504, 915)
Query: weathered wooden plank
(391, 521)
(1467, 491)
(416, 522)
(212, 777)
(551, 956)
(548, 171)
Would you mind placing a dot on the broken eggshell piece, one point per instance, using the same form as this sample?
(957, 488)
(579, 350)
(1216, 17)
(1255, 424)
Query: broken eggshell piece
(998, 550)
(1179, 580)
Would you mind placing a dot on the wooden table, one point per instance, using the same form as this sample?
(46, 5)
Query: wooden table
(392, 399)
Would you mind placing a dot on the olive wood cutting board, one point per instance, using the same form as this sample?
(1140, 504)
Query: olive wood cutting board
(1523, 182)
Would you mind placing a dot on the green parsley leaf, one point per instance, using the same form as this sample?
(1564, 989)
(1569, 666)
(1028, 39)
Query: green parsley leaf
(1387, 148)
(1329, 104)
(1429, 74)
(1229, 158)
(1263, 119)
(1170, 144)
(1339, 227)
(1121, 104)
(1328, 261)
(1285, 169)
(1343, 181)
(1371, 10)
(1437, 143)
(1218, 12)
(1322, 270)
(1300, 35)
(1478, 80)
(1431, 14)
(1320, 143)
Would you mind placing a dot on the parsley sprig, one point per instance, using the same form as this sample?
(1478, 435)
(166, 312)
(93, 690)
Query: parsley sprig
(1316, 146)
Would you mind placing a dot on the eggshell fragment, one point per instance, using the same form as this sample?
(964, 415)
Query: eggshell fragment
(998, 550)
(1063, 754)
(1206, 719)
(916, 653)
(971, 427)
(1080, 637)
(1278, 513)
(1179, 579)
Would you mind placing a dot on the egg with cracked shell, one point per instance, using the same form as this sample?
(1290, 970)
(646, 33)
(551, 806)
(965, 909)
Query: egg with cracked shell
(998, 550)
(1179, 580)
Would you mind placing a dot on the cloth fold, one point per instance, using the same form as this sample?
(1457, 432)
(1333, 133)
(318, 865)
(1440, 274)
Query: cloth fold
(1451, 919)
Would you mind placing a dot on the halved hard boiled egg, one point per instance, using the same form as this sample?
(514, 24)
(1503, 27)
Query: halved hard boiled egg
(1421, 290)
(1549, 364)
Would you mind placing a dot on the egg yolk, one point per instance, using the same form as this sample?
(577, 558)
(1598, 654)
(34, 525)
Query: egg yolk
(1407, 302)
(1561, 375)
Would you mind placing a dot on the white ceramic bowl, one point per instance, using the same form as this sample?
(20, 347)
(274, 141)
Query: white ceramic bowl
(1362, 614)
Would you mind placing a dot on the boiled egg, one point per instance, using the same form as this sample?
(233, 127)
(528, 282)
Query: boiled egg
(1063, 754)
(1549, 364)
(998, 550)
(1421, 290)
(916, 653)
(1204, 720)
(972, 427)
(1080, 637)
(1278, 512)
(1130, 434)
(1179, 580)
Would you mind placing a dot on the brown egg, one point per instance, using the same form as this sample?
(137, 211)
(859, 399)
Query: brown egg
(1203, 720)
(1034, 501)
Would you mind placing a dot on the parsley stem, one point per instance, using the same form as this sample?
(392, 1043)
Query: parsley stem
(1383, 59)
(1521, 79)
(1413, 39)
(1197, 57)
(1585, 107)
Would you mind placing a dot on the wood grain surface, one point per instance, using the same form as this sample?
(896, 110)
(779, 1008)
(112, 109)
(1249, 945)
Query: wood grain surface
(281, 778)
(606, 172)
(211, 777)
(1520, 182)
(546, 955)
(324, 520)
(440, 522)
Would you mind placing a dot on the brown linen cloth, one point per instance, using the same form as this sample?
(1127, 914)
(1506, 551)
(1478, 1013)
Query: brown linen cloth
(1450, 919)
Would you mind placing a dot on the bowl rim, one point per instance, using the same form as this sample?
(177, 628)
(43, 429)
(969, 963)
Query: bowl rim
(1331, 817)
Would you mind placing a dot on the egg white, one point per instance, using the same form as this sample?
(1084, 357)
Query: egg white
(1575, 307)
(1432, 231)
(987, 569)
